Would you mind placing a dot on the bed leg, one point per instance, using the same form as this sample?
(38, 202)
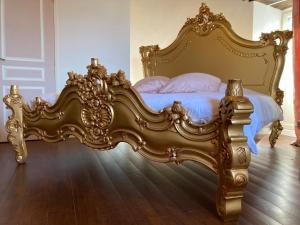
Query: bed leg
(276, 129)
(15, 125)
(234, 154)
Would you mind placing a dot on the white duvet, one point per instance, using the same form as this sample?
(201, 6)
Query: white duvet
(203, 107)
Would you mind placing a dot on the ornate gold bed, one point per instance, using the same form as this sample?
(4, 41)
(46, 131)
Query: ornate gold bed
(102, 110)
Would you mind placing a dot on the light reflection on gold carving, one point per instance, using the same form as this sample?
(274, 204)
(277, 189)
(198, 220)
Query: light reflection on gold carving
(15, 124)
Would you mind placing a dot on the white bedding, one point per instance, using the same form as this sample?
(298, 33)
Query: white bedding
(203, 107)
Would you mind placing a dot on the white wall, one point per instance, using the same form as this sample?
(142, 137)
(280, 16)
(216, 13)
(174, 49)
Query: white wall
(287, 81)
(267, 19)
(159, 21)
(91, 28)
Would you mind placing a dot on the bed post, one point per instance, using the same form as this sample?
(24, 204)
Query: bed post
(234, 154)
(276, 127)
(14, 124)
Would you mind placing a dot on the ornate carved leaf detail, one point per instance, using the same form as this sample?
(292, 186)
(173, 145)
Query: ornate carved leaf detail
(119, 79)
(96, 95)
(226, 108)
(240, 53)
(173, 154)
(279, 97)
(14, 99)
(147, 51)
(97, 120)
(234, 88)
(12, 127)
(204, 21)
(176, 113)
(40, 108)
(142, 123)
(270, 38)
(97, 84)
(225, 154)
(282, 37)
(240, 180)
(276, 131)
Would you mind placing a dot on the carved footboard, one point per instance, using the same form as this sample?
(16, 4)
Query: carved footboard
(102, 110)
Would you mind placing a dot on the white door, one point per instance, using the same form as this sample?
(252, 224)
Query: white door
(26, 49)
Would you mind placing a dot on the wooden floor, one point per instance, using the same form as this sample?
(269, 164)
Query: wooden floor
(67, 184)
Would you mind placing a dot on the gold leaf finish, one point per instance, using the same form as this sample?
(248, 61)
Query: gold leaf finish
(102, 110)
(15, 125)
(235, 154)
(276, 129)
(205, 20)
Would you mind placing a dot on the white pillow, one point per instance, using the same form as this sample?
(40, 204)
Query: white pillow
(192, 82)
(151, 84)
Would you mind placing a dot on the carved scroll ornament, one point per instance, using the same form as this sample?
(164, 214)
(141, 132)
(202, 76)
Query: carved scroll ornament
(15, 125)
(205, 21)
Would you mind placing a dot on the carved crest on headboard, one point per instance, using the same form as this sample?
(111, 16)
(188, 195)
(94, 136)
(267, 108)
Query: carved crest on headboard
(205, 20)
(283, 38)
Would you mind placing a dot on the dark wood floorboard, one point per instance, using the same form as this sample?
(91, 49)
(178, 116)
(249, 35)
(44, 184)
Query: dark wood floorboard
(68, 183)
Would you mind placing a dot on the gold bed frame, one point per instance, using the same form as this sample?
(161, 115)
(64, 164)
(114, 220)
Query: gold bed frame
(102, 110)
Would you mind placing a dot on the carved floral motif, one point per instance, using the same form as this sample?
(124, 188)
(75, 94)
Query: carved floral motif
(279, 96)
(204, 21)
(97, 120)
(14, 125)
(176, 113)
(277, 38)
(240, 180)
(173, 154)
(94, 90)
(276, 129)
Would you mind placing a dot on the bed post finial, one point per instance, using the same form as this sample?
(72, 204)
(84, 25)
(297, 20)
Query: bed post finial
(14, 125)
(234, 88)
(14, 90)
(203, 6)
(234, 154)
(94, 62)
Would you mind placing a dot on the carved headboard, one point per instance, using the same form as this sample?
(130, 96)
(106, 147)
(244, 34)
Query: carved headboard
(207, 43)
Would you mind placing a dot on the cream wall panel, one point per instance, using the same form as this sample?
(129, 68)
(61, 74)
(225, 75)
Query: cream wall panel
(21, 40)
(27, 49)
(91, 28)
(11, 73)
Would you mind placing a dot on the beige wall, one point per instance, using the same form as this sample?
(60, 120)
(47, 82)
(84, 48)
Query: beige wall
(267, 19)
(91, 28)
(159, 21)
(287, 81)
